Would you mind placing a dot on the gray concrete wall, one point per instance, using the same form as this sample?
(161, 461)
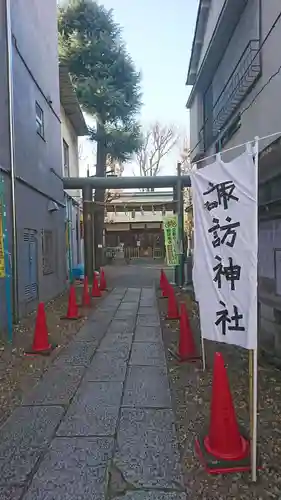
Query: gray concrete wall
(50, 285)
(4, 144)
(3, 298)
(35, 79)
(4, 126)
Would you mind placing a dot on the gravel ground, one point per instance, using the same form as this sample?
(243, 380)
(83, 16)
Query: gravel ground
(191, 392)
(19, 373)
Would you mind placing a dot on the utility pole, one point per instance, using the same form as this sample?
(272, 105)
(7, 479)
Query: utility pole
(87, 193)
(175, 194)
(180, 268)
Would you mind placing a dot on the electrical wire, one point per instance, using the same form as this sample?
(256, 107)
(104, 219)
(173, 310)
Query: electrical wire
(273, 26)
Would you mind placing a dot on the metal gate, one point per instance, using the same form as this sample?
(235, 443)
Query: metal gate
(137, 252)
(132, 252)
(30, 259)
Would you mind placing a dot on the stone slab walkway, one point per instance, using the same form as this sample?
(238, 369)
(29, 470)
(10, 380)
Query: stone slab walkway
(99, 425)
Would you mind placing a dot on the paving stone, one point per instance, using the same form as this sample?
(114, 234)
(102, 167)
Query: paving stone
(148, 354)
(92, 331)
(94, 410)
(106, 366)
(148, 303)
(148, 320)
(125, 314)
(121, 326)
(56, 387)
(132, 296)
(147, 386)
(108, 308)
(118, 290)
(23, 437)
(148, 334)
(125, 306)
(118, 349)
(103, 317)
(76, 354)
(111, 341)
(10, 493)
(147, 452)
(152, 495)
(147, 293)
(73, 469)
(148, 311)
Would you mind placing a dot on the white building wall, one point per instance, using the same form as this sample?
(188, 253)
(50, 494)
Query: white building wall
(70, 137)
(196, 122)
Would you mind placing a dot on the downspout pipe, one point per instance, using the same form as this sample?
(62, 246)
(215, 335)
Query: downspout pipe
(12, 160)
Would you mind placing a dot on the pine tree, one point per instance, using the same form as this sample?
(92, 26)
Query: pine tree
(107, 86)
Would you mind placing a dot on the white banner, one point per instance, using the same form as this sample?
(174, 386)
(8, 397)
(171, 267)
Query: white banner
(225, 250)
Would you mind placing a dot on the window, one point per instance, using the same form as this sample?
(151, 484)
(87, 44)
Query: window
(48, 252)
(65, 159)
(39, 120)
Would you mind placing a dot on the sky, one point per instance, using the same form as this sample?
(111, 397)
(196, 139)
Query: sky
(158, 35)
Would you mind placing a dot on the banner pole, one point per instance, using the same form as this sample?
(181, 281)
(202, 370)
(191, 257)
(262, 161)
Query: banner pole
(251, 392)
(254, 415)
(203, 354)
(255, 358)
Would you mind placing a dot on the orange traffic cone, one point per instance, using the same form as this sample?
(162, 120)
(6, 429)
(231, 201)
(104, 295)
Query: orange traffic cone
(72, 310)
(187, 348)
(102, 281)
(95, 288)
(165, 287)
(86, 299)
(41, 343)
(173, 312)
(161, 279)
(224, 449)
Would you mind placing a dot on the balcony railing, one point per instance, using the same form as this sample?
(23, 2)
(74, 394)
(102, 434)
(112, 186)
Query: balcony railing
(238, 85)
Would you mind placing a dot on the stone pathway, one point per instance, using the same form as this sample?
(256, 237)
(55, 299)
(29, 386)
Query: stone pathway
(99, 425)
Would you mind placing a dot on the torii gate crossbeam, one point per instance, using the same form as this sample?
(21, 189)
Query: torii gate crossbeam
(125, 182)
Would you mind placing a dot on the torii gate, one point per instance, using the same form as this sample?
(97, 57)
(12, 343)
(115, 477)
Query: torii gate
(87, 184)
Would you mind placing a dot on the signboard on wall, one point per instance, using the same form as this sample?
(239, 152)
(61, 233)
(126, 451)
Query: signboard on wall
(171, 239)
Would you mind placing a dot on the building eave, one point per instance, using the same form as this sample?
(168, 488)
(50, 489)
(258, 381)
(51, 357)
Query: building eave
(70, 103)
(201, 21)
(191, 97)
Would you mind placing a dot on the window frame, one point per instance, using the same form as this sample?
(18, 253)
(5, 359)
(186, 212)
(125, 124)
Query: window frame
(40, 126)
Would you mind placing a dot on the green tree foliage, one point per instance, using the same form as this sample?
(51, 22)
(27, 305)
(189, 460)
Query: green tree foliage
(106, 81)
(107, 85)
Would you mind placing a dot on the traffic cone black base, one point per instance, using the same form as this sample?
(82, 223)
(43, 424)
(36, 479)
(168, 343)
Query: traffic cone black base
(72, 319)
(46, 352)
(192, 359)
(215, 465)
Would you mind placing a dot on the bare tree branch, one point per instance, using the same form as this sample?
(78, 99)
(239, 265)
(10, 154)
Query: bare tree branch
(158, 141)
